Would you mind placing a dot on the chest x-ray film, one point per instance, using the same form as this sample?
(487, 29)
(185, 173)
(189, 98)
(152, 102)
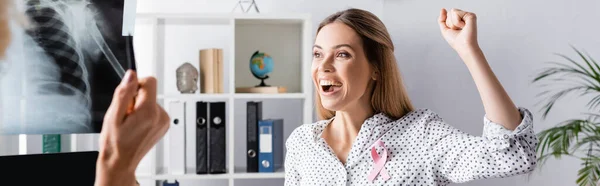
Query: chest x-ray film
(60, 72)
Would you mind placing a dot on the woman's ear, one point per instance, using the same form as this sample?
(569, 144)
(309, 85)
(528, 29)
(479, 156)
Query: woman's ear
(374, 75)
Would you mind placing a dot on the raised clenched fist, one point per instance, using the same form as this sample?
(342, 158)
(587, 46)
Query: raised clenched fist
(459, 28)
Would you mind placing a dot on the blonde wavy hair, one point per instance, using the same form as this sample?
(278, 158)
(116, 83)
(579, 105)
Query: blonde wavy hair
(389, 96)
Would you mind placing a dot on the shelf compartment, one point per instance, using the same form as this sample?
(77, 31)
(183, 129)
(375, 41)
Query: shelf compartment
(282, 40)
(180, 41)
(290, 110)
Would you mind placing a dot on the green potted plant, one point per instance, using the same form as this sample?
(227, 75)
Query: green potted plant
(579, 138)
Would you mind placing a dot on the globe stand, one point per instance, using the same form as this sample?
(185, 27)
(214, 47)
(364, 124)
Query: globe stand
(262, 80)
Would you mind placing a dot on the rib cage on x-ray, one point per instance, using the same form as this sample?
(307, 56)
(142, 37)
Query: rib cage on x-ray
(53, 35)
(58, 68)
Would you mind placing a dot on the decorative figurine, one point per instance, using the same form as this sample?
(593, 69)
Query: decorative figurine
(252, 3)
(187, 78)
(261, 64)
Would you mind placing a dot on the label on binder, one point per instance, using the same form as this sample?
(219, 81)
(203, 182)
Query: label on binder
(265, 139)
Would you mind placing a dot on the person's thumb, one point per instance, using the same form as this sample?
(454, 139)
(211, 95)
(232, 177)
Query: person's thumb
(123, 97)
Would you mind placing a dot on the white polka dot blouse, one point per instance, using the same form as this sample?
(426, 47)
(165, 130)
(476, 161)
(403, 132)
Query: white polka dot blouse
(417, 149)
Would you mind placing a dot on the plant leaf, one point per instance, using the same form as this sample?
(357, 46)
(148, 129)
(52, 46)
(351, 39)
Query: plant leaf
(595, 102)
(575, 63)
(597, 77)
(589, 139)
(593, 61)
(557, 140)
(558, 95)
(576, 73)
(589, 173)
(551, 71)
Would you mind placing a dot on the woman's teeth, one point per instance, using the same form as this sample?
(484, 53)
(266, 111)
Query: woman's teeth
(329, 83)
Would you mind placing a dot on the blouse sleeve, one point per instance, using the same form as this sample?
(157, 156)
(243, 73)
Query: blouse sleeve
(499, 152)
(292, 176)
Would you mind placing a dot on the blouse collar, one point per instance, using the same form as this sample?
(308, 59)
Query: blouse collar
(370, 122)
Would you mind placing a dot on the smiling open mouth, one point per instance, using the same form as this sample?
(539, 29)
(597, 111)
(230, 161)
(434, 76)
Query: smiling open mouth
(329, 86)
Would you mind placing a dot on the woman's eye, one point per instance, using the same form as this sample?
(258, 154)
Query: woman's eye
(343, 55)
(316, 54)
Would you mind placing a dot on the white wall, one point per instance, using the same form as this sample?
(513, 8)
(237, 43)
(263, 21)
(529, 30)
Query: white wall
(517, 37)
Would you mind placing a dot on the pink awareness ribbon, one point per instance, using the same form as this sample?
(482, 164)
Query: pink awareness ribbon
(379, 161)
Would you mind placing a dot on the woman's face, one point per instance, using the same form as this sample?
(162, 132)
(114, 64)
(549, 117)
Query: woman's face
(340, 70)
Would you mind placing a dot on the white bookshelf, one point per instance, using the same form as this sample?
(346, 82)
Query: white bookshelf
(287, 38)
(236, 96)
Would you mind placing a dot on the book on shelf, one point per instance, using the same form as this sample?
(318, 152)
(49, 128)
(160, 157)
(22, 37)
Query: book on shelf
(175, 137)
(271, 145)
(217, 138)
(253, 116)
(201, 137)
(263, 90)
(211, 137)
(265, 140)
(211, 70)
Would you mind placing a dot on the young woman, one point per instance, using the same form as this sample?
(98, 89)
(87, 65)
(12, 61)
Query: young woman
(370, 134)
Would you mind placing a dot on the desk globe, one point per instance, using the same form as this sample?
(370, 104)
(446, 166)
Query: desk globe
(261, 65)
